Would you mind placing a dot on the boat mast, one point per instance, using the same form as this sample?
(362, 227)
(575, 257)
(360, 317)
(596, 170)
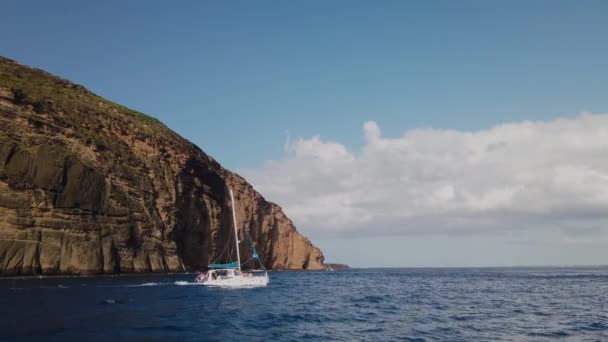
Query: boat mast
(236, 232)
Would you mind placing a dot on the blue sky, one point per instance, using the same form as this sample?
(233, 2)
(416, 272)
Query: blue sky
(235, 76)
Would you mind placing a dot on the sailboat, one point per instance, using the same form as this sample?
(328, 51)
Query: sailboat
(230, 274)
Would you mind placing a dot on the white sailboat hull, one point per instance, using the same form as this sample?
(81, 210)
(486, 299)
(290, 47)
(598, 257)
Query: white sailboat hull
(238, 282)
(245, 279)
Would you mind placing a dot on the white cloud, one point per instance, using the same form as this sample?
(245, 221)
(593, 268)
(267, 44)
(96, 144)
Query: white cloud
(522, 175)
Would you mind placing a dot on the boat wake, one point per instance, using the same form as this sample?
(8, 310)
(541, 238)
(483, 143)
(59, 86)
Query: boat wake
(147, 284)
(186, 283)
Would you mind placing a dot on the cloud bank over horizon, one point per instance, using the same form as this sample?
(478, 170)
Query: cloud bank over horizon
(530, 176)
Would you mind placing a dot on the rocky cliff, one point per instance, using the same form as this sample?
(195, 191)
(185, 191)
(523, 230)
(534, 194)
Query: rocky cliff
(88, 186)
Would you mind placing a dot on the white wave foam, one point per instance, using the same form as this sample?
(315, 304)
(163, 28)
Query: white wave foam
(185, 283)
(146, 284)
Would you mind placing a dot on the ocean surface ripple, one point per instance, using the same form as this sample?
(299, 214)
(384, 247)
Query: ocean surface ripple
(485, 304)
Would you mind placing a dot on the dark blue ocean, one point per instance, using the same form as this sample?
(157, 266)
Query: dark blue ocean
(516, 304)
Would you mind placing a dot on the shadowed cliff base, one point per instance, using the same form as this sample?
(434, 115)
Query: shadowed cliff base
(91, 187)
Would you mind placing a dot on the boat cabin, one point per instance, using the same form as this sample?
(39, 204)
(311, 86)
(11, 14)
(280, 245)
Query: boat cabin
(214, 274)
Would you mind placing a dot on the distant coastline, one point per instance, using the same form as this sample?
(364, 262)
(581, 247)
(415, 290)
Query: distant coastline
(337, 267)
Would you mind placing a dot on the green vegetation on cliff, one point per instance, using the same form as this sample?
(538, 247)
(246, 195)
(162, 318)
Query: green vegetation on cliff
(45, 91)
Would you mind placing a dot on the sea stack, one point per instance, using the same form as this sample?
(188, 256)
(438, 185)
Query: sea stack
(88, 186)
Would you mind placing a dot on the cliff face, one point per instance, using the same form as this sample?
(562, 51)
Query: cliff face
(88, 186)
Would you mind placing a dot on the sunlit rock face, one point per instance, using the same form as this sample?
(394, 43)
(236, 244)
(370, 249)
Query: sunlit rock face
(89, 187)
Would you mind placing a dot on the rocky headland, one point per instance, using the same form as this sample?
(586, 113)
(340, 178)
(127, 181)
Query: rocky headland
(88, 186)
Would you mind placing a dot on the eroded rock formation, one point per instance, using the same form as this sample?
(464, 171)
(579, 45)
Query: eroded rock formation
(88, 186)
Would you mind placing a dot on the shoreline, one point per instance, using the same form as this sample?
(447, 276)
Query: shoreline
(147, 274)
(136, 274)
